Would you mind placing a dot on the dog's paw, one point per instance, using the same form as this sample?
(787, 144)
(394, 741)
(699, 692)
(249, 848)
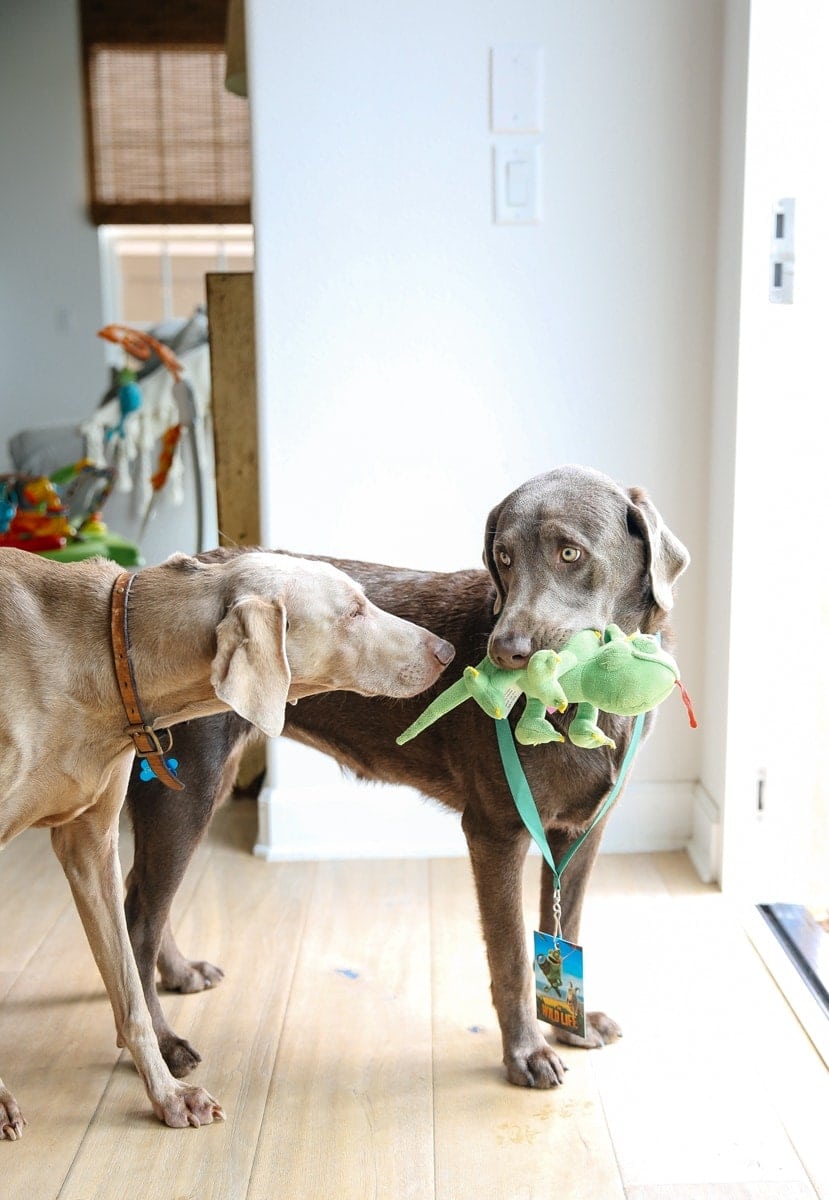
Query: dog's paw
(600, 1030)
(11, 1118)
(178, 1054)
(541, 1068)
(189, 977)
(188, 1106)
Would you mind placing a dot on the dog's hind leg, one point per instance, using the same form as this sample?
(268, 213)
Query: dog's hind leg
(181, 974)
(168, 828)
(150, 891)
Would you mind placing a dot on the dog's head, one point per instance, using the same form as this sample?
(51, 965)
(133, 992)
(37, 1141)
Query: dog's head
(293, 627)
(571, 550)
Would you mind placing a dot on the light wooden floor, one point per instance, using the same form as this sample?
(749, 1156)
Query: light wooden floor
(356, 1053)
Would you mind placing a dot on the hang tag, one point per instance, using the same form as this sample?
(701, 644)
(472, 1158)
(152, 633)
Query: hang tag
(146, 772)
(558, 969)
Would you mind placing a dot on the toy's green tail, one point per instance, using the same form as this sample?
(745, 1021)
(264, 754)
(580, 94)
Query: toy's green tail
(440, 706)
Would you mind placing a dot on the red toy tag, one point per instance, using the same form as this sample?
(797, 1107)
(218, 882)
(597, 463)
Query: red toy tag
(686, 700)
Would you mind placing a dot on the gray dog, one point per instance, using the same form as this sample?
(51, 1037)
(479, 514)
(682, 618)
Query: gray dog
(567, 550)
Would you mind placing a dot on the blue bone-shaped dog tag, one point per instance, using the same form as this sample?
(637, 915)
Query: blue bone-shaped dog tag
(147, 773)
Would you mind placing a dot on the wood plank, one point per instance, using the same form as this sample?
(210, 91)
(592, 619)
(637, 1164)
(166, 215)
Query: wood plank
(515, 1142)
(57, 1039)
(230, 315)
(30, 871)
(58, 1053)
(721, 1191)
(684, 983)
(350, 1112)
(233, 403)
(333, 1082)
(250, 915)
(7, 981)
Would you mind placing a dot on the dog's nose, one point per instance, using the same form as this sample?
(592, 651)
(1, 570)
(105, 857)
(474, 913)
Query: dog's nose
(510, 651)
(444, 652)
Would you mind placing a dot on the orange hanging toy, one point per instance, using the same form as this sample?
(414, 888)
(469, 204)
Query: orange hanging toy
(141, 345)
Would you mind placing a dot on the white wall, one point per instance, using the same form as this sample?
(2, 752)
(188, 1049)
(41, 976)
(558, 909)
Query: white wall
(53, 366)
(418, 361)
(779, 615)
(709, 800)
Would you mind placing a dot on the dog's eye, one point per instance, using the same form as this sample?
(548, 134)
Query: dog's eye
(504, 559)
(570, 554)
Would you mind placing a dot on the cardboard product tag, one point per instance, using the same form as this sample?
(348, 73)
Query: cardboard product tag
(558, 969)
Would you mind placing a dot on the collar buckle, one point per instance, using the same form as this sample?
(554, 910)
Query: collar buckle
(148, 740)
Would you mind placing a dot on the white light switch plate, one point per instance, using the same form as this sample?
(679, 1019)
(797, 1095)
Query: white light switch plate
(516, 182)
(515, 89)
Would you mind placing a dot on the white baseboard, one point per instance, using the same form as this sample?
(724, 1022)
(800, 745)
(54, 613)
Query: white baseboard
(359, 820)
(354, 820)
(705, 846)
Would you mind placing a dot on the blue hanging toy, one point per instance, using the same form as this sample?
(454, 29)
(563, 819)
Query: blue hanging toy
(129, 398)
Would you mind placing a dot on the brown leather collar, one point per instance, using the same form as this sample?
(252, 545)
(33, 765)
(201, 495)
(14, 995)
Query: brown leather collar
(147, 743)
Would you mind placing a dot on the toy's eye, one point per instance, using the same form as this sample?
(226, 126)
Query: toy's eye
(645, 645)
(504, 559)
(570, 554)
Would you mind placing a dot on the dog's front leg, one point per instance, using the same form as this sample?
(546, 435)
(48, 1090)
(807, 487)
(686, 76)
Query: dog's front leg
(599, 1027)
(497, 864)
(88, 851)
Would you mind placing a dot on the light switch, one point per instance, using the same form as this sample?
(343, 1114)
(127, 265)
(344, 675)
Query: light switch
(515, 168)
(518, 183)
(515, 89)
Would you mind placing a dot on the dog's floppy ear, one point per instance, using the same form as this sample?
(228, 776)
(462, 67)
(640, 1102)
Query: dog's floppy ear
(489, 557)
(667, 557)
(250, 671)
(182, 562)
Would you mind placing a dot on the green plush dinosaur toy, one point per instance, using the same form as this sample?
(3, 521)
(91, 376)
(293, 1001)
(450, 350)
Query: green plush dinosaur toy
(609, 671)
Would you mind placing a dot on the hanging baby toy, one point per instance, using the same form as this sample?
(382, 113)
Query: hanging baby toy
(121, 437)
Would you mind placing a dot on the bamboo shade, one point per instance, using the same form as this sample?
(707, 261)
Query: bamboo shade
(167, 143)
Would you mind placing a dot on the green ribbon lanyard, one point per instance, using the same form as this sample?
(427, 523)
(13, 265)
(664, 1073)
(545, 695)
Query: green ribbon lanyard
(527, 810)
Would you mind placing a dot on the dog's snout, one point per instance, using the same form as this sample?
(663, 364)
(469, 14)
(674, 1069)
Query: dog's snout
(444, 652)
(510, 651)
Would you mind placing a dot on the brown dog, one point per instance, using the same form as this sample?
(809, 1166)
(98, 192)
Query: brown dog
(567, 550)
(248, 634)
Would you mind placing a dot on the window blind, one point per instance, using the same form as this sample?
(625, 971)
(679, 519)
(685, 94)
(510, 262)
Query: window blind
(166, 142)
